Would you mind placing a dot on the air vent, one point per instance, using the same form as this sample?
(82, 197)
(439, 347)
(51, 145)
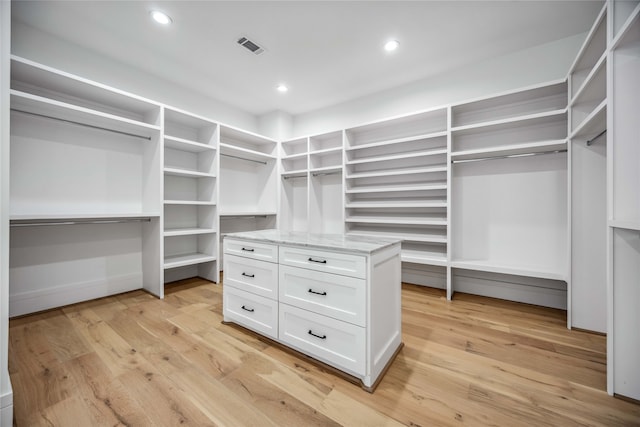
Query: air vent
(250, 45)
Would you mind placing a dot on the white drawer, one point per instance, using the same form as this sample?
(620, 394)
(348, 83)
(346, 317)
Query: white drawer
(258, 277)
(330, 262)
(248, 249)
(340, 297)
(252, 311)
(337, 343)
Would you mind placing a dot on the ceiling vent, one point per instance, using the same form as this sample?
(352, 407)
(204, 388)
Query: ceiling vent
(250, 45)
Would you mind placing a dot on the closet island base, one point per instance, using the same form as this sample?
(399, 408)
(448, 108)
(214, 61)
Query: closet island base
(334, 298)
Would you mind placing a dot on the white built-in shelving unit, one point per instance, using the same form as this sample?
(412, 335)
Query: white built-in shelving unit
(509, 194)
(588, 145)
(248, 181)
(396, 183)
(190, 196)
(85, 202)
(623, 190)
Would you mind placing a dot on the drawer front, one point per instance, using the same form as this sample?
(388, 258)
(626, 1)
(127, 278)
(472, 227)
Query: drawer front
(340, 297)
(337, 343)
(252, 311)
(258, 277)
(248, 249)
(329, 262)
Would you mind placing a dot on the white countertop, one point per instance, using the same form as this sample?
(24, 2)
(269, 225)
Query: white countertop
(339, 242)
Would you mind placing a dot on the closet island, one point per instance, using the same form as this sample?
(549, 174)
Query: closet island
(332, 297)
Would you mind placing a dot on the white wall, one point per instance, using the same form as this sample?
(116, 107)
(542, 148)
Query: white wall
(31, 43)
(277, 125)
(6, 395)
(535, 65)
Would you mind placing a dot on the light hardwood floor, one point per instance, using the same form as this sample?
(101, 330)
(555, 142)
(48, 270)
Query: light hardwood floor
(134, 360)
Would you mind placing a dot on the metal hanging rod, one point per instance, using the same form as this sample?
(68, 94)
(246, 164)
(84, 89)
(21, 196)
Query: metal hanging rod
(242, 216)
(78, 221)
(326, 173)
(243, 158)
(294, 176)
(148, 138)
(511, 156)
(592, 140)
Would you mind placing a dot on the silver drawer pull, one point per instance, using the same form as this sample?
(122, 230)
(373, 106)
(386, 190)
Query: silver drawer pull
(311, 291)
(250, 310)
(319, 261)
(248, 275)
(248, 249)
(322, 337)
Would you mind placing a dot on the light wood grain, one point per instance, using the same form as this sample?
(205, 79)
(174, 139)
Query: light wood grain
(135, 360)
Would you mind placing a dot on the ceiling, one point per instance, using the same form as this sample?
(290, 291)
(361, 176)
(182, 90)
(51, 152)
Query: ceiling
(327, 52)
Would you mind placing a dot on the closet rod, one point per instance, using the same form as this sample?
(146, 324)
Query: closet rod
(326, 173)
(79, 221)
(243, 158)
(509, 156)
(243, 216)
(294, 176)
(592, 140)
(148, 138)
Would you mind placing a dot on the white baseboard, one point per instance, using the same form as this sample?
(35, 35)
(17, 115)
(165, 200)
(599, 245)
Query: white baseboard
(425, 275)
(6, 406)
(33, 301)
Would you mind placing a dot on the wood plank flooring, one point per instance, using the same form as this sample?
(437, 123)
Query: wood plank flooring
(134, 360)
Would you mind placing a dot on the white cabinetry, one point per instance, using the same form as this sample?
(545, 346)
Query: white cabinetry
(588, 209)
(331, 297)
(623, 157)
(86, 187)
(190, 196)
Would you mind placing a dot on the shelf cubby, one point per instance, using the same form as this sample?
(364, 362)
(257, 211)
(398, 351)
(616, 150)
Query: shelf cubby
(591, 54)
(294, 147)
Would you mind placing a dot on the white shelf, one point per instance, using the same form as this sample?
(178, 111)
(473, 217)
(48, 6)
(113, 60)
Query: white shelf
(417, 258)
(326, 151)
(398, 188)
(488, 266)
(510, 150)
(509, 122)
(327, 170)
(244, 153)
(186, 145)
(294, 156)
(189, 202)
(395, 204)
(628, 25)
(396, 172)
(50, 108)
(397, 141)
(187, 231)
(433, 152)
(594, 123)
(187, 173)
(396, 220)
(246, 213)
(399, 235)
(627, 225)
(584, 88)
(83, 216)
(184, 260)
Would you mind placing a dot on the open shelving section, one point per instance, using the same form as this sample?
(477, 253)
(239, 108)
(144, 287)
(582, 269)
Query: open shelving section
(623, 215)
(509, 195)
(86, 186)
(190, 196)
(587, 80)
(396, 183)
(248, 181)
(294, 183)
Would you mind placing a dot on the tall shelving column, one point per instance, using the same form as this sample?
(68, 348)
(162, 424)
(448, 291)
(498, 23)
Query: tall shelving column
(623, 177)
(509, 195)
(326, 196)
(86, 183)
(190, 197)
(294, 182)
(248, 181)
(586, 308)
(396, 186)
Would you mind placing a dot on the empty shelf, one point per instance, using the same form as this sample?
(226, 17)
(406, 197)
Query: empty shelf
(183, 260)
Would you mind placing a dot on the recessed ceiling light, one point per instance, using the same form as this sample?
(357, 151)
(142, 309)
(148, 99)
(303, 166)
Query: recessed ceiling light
(282, 88)
(161, 17)
(391, 45)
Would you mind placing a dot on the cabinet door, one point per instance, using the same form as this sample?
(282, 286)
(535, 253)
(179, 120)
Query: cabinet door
(340, 297)
(254, 312)
(258, 277)
(337, 343)
(329, 262)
